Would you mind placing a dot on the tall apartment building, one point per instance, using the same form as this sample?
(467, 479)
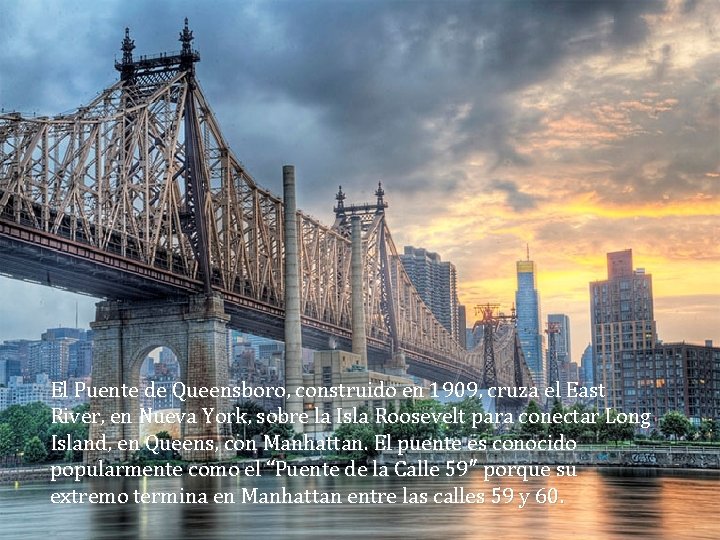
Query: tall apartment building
(19, 392)
(436, 281)
(50, 357)
(527, 304)
(622, 325)
(162, 370)
(81, 356)
(9, 363)
(15, 354)
(4, 397)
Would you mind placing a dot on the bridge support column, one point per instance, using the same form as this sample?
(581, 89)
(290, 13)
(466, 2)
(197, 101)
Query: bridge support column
(293, 330)
(359, 338)
(207, 367)
(194, 328)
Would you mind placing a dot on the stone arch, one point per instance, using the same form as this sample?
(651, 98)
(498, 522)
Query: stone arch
(194, 328)
(146, 400)
(142, 353)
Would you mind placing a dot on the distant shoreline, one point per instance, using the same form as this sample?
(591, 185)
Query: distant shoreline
(635, 457)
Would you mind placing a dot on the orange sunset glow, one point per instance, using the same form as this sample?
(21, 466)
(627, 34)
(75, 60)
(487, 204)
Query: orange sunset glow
(624, 153)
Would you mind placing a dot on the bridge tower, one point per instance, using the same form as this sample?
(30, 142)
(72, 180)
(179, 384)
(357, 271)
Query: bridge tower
(193, 326)
(364, 224)
(489, 322)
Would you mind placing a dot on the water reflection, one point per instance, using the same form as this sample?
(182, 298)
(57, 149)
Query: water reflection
(598, 504)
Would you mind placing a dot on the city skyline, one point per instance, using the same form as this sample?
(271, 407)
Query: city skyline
(580, 129)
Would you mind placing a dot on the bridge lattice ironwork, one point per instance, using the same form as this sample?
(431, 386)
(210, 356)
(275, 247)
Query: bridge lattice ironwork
(124, 187)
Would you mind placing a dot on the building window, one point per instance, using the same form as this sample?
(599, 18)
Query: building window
(327, 376)
(327, 409)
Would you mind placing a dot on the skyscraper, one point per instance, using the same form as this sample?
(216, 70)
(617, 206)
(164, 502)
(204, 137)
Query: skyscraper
(586, 363)
(436, 281)
(527, 303)
(563, 338)
(622, 325)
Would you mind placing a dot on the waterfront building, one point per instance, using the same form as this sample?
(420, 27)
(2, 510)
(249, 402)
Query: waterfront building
(436, 282)
(22, 393)
(675, 377)
(527, 304)
(622, 326)
(335, 368)
(258, 362)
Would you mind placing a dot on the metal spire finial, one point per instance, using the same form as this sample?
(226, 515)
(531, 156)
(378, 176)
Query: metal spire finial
(127, 47)
(380, 193)
(186, 37)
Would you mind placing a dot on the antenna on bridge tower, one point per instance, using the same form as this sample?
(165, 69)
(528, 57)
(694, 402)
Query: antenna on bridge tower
(187, 59)
(340, 198)
(127, 67)
(381, 204)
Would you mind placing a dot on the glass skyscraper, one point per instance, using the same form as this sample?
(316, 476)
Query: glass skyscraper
(527, 304)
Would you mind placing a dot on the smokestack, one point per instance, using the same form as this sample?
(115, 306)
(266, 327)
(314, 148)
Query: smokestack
(293, 330)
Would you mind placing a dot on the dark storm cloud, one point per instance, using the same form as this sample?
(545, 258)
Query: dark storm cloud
(387, 78)
(366, 90)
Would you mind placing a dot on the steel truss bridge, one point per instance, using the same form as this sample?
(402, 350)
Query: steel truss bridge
(137, 195)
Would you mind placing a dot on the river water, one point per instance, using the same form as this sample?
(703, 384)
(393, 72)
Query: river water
(597, 504)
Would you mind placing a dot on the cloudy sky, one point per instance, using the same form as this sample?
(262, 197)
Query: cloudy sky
(575, 127)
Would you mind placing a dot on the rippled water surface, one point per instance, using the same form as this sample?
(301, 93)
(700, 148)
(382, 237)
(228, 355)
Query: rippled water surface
(598, 503)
